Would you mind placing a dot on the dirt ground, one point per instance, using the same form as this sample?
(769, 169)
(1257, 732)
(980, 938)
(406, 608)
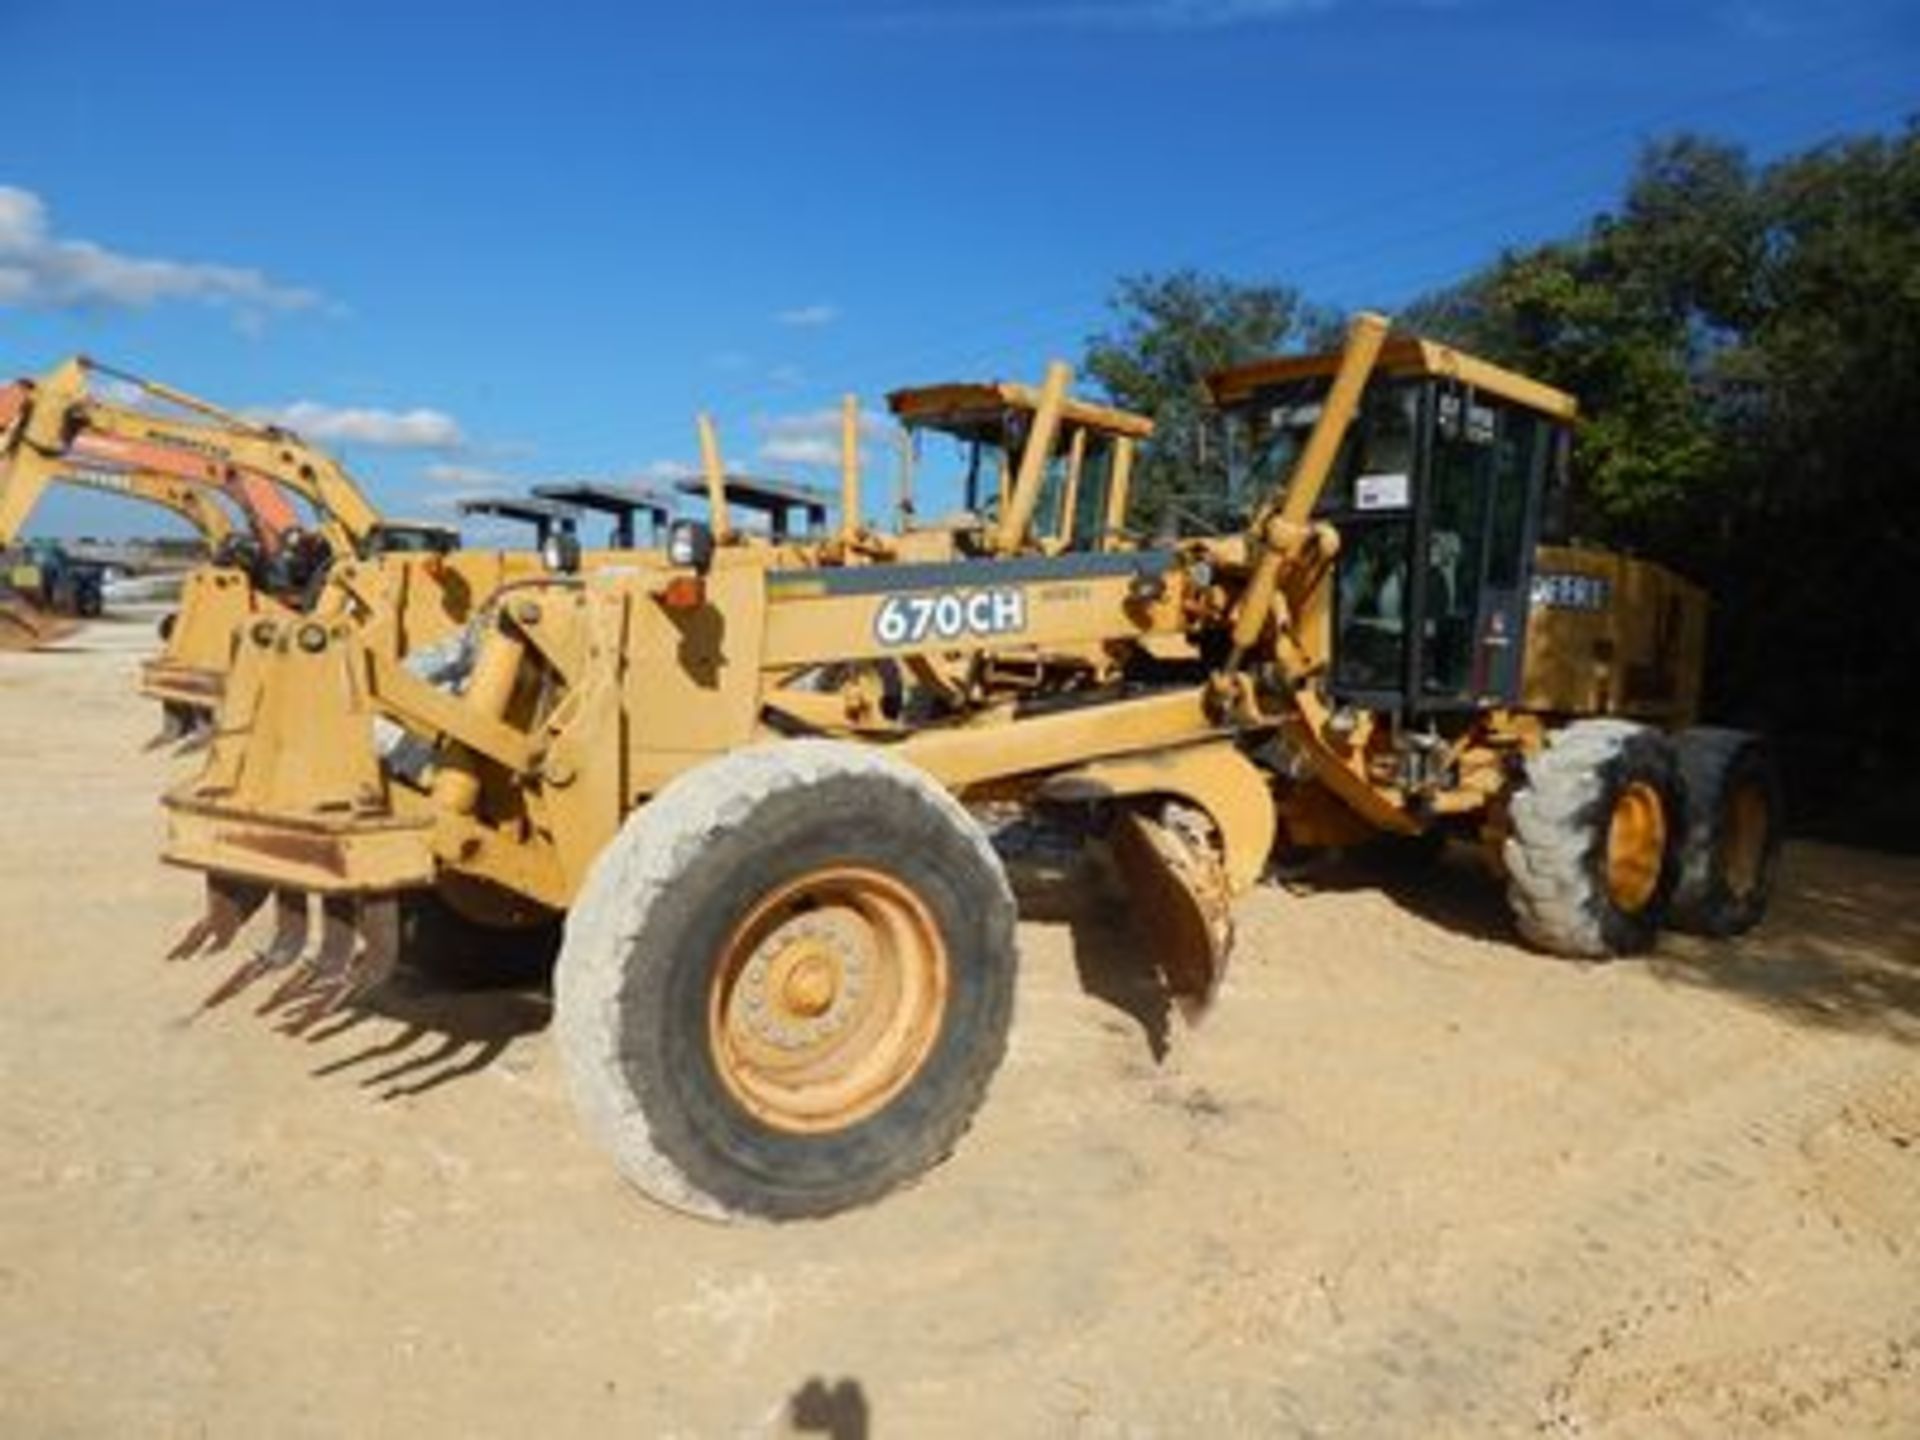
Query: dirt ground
(1407, 1179)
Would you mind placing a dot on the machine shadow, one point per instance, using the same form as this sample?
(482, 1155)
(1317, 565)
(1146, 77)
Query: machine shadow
(1449, 888)
(1084, 894)
(1840, 948)
(839, 1411)
(420, 1031)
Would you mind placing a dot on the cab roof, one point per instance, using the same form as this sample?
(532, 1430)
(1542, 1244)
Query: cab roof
(1401, 355)
(969, 406)
(610, 499)
(758, 493)
(517, 507)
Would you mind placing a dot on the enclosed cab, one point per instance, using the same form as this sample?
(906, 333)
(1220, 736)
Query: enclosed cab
(1455, 588)
(974, 436)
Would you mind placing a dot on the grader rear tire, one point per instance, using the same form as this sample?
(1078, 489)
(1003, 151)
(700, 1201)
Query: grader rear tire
(1733, 832)
(1594, 851)
(787, 982)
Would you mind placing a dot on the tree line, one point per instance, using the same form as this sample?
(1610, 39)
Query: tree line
(1744, 341)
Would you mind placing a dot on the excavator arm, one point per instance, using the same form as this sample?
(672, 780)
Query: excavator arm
(193, 504)
(58, 420)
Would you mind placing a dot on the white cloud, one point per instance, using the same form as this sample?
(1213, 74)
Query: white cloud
(442, 473)
(355, 425)
(812, 437)
(666, 472)
(809, 316)
(40, 270)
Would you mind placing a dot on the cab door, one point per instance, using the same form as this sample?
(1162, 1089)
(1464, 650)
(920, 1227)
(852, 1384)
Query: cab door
(1473, 534)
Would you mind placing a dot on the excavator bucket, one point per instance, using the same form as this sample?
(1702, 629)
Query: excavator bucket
(1180, 893)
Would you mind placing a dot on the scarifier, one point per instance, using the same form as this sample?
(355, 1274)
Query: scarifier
(743, 772)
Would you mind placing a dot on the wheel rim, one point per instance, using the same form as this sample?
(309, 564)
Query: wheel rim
(827, 999)
(1636, 845)
(1743, 857)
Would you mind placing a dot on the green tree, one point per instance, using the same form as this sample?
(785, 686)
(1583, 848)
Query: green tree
(1640, 317)
(1170, 332)
(1745, 345)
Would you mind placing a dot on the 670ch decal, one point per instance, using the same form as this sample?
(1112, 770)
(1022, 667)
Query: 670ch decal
(949, 615)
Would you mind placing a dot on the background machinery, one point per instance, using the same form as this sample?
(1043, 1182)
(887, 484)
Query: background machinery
(786, 977)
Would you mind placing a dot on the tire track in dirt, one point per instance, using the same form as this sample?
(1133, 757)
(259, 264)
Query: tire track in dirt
(1650, 1234)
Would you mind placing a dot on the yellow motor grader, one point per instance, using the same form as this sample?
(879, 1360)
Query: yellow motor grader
(787, 971)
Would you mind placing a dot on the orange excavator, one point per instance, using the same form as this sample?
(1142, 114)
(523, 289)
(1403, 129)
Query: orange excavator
(59, 426)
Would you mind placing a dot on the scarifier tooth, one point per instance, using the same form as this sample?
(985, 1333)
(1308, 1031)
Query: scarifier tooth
(376, 923)
(330, 961)
(289, 939)
(230, 904)
(171, 727)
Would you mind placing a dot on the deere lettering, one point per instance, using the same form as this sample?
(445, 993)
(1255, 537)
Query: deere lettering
(949, 615)
(1570, 591)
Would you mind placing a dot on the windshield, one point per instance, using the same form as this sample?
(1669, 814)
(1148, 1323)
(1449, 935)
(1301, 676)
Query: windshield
(1072, 508)
(1264, 438)
(1372, 469)
(958, 473)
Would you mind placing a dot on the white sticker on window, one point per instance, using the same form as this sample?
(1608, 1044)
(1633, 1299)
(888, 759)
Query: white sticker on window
(1380, 492)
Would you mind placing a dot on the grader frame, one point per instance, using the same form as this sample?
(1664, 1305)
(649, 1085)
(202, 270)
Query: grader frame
(621, 724)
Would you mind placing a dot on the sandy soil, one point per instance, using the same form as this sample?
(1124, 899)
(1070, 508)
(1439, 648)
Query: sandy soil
(1408, 1178)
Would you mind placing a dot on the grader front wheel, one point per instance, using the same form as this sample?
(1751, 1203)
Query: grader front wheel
(787, 982)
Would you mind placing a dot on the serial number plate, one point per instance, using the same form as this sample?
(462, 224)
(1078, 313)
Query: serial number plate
(949, 615)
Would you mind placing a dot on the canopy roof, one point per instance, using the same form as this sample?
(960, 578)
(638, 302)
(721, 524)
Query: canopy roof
(1401, 355)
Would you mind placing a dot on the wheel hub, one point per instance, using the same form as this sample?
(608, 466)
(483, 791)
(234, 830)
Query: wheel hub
(1747, 822)
(803, 981)
(1636, 846)
(827, 999)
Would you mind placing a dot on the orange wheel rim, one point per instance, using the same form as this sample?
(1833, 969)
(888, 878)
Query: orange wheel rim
(1745, 823)
(1636, 846)
(827, 999)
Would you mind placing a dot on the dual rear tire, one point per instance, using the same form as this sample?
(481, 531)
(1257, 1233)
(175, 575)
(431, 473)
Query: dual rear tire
(1619, 829)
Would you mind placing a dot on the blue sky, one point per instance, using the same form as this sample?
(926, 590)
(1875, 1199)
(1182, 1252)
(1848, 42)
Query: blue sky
(482, 245)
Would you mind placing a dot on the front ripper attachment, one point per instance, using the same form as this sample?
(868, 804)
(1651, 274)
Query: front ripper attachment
(1178, 889)
(230, 904)
(359, 945)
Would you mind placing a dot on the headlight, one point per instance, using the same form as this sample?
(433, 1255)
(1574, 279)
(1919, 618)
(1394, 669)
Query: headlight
(560, 553)
(690, 546)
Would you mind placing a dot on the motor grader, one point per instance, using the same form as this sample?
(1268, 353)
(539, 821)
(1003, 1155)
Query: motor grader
(787, 970)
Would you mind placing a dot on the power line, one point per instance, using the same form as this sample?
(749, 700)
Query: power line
(1025, 317)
